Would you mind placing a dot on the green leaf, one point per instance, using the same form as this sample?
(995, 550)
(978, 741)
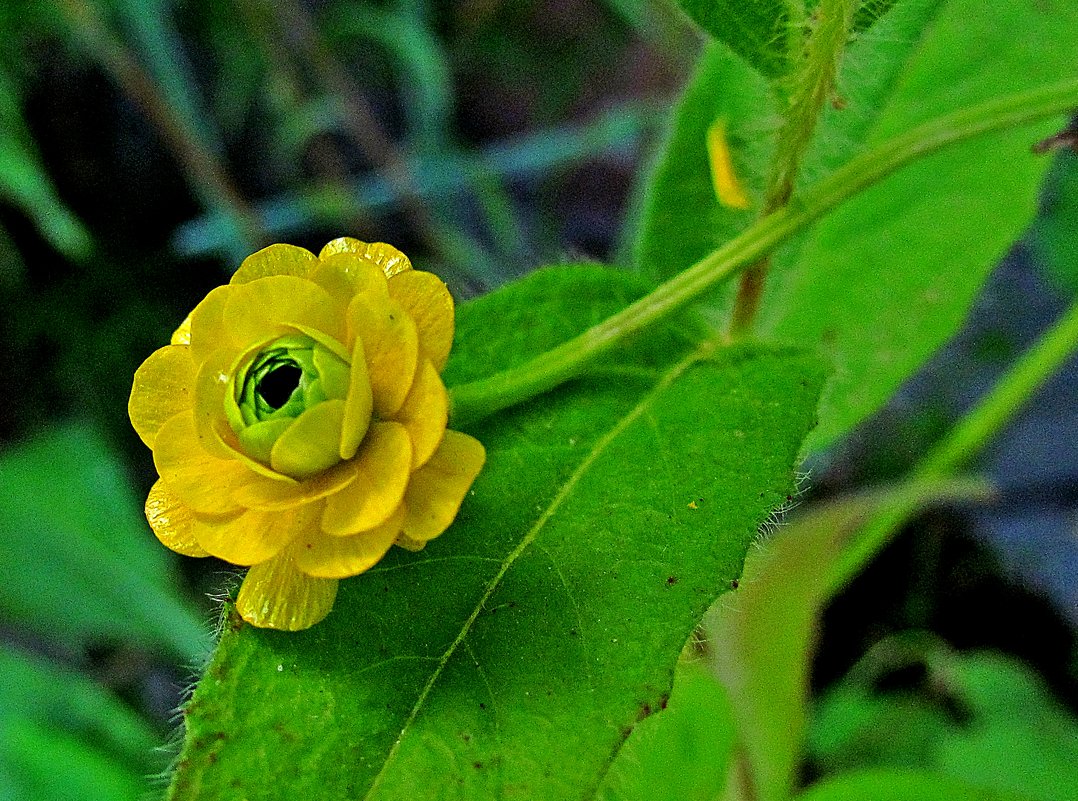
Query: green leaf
(681, 219)
(63, 738)
(908, 256)
(1009, 736)
(897, 268)
(896, 785)
(763, 635)
(1052, 238)
(1022, 741)
(682, 754)
(25, 182)
(765, 33)
(77, 559)
(515, 654)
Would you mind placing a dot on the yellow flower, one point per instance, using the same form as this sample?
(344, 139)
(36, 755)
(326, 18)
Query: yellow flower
(298, 424)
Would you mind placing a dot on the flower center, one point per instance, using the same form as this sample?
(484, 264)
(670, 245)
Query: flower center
(288, 377)
(277, 386)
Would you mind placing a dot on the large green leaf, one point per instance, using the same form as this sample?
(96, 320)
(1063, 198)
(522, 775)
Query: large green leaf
(76, 558)
(515, 654)
(881, 283)
(682, 754)
(63, 738)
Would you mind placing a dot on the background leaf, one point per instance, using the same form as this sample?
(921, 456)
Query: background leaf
(895, 785)
(763, 635)
(1051, 237)
(897, 268)
(63, 738)
(766, 33)
(25, 182)
(515, 654)
(983, 719)
(76, 555)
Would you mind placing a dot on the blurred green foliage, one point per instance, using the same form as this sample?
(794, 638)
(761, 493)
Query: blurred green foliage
(146, 146)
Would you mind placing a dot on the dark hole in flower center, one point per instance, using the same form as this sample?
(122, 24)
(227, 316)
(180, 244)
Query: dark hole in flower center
(277, 386)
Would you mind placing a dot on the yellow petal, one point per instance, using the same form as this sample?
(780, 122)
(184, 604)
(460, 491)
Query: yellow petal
(273, 495)
(162, 389)
(384, 462)
(345, 275)
(172, 522)
(358, 404)
(387, 257)
(195, 477)
(211, 386)
(275, 260)
(276, 595)
(208, 332)
(438, 488)
(728, 188)
(425, 413)
(252, 536)
(321, 554)
(390, 347)
(255, 311)
(312, 443)
(428, 302)
(406, 542)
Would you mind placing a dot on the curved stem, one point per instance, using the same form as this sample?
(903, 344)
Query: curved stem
(478, 399)
(966, 439)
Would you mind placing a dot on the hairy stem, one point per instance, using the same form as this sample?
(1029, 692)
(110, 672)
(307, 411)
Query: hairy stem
(967, 438)
(478, 399)
(813, 88)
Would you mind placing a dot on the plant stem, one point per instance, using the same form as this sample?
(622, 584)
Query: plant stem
(473, 401)
(814, 85)
(208, 177)
(966, 439)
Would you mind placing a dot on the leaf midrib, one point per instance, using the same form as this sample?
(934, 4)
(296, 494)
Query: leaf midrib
(665, 379)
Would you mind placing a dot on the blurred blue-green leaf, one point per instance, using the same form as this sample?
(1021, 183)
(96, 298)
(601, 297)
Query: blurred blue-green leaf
(77, 560)
(64, 738)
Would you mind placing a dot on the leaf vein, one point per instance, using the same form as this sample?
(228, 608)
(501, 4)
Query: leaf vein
(666, 379)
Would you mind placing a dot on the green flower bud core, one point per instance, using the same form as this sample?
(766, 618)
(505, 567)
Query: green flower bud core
(277, 386)
(282, 381)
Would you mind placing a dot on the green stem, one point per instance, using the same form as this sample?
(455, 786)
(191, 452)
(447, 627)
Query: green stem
(473, 401)
(813, 87)
(966, 439)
